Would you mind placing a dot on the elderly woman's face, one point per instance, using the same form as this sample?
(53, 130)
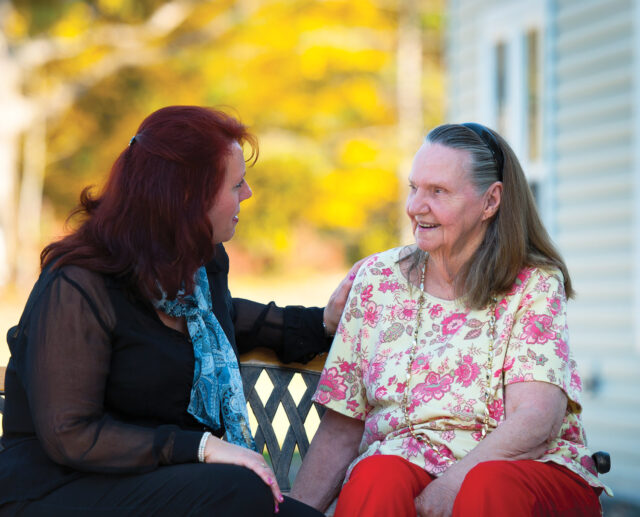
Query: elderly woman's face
(234, 190)
(448, 216)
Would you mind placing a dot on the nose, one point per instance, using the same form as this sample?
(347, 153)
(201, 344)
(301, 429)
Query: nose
(246, 191)
(416, 204)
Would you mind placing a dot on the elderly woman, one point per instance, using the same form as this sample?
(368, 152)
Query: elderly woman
(123, 375)
(450, 386)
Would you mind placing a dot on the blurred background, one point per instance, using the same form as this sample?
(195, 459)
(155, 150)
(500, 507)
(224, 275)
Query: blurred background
(340, 94)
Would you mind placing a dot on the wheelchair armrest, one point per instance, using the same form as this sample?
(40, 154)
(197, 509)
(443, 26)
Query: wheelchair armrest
(602, 461)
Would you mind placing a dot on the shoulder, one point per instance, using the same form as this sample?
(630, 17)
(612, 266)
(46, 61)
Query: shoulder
(75, 286)
(386, 259)
(535, 278)
(81, 278)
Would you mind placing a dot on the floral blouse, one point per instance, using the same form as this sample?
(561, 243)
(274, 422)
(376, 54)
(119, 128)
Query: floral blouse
(365, 373)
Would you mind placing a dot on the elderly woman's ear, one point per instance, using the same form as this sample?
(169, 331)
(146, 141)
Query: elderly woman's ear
(493, 195)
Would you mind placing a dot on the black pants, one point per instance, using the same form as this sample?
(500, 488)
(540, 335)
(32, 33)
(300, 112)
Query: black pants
(194, 490)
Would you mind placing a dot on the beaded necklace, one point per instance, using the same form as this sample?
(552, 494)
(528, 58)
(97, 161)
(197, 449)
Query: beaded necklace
(412, 356)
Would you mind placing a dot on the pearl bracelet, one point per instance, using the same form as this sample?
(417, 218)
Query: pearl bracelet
(203, 444)
(326, 330)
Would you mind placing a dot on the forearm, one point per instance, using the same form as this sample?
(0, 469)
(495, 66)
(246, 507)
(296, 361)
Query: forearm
(535, 411)
(520, 437)
(293, 333)
(333, 448)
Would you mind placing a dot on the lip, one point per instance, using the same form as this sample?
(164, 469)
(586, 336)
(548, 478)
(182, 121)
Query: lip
(426, 226)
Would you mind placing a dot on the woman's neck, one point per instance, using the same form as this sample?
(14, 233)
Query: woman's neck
(176, 323)
(441, 275)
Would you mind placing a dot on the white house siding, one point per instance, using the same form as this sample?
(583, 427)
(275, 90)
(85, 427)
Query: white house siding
(592, 177)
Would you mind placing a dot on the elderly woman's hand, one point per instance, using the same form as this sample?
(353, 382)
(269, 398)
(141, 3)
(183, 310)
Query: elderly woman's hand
(333, 310)
(437, 499)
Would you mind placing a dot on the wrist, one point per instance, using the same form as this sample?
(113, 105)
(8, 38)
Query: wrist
(327, 329)
(202, 447)
(327, 332)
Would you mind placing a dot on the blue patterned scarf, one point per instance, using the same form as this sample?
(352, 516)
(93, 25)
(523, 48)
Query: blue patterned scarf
(217, 384)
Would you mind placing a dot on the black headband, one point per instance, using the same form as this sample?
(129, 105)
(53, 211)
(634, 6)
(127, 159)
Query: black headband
(491, 142)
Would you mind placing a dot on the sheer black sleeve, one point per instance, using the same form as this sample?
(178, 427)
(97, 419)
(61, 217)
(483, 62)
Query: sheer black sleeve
(65, 370)
(294, 333)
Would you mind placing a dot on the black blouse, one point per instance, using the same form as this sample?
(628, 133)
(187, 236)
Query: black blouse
(97, 383)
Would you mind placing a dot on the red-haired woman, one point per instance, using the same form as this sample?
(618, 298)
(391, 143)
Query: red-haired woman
(123, 373)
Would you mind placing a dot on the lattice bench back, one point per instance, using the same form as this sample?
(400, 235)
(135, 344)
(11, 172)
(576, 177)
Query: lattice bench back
(296, 437)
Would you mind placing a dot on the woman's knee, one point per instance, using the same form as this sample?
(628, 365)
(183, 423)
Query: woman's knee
(233, 489)
(378, 482)
(492, 487)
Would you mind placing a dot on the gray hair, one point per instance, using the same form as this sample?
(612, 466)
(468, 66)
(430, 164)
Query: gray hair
(515, 236)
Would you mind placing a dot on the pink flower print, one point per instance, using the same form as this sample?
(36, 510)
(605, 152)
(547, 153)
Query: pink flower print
(352, 405)
(371, 430)
(372, 261)
(420, 363)
(521, 280)
(576, 381)
(507, 366)
(401, 387)
(394, 422)
(434, 387)
(372, 314)
(388, 286)
(542, 286)
(366, 294)
(562, 349)
(496, 410)
(448, 436)
(554, 305)
(391, 380)
(409, 310)
(330, 386)
(435, 310)
(387, 272)
(411, 446)
(521, 378)
(438, 460)
(373, 372)
(573, 451)
(467, 372)
(451, 324)
(347, 367)
(381, 392)
(572, 434)
(588, 463)
(501, 308)
(537, 329)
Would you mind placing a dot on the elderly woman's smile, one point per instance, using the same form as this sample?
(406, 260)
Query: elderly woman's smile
(445, 209)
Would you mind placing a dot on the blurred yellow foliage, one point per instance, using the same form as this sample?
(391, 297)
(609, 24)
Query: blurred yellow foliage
(77, 20)
(315, 80)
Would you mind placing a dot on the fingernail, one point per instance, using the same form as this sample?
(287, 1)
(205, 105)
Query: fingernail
(277, 509)
(270, 480)
(280, 498)
(352, 276)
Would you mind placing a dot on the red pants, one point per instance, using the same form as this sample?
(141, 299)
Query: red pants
(386, 486)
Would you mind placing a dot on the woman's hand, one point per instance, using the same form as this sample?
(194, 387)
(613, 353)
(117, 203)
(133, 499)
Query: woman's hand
(337, 300)
(219, 451)
(436, 500)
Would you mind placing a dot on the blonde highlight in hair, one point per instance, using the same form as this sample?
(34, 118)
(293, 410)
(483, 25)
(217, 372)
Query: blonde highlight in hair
(515, 236)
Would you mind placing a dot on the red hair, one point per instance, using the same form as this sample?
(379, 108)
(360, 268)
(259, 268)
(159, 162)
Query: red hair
(150, 221)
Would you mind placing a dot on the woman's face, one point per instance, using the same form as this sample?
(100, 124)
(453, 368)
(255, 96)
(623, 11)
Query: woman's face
(448, 216)
(226, 204)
